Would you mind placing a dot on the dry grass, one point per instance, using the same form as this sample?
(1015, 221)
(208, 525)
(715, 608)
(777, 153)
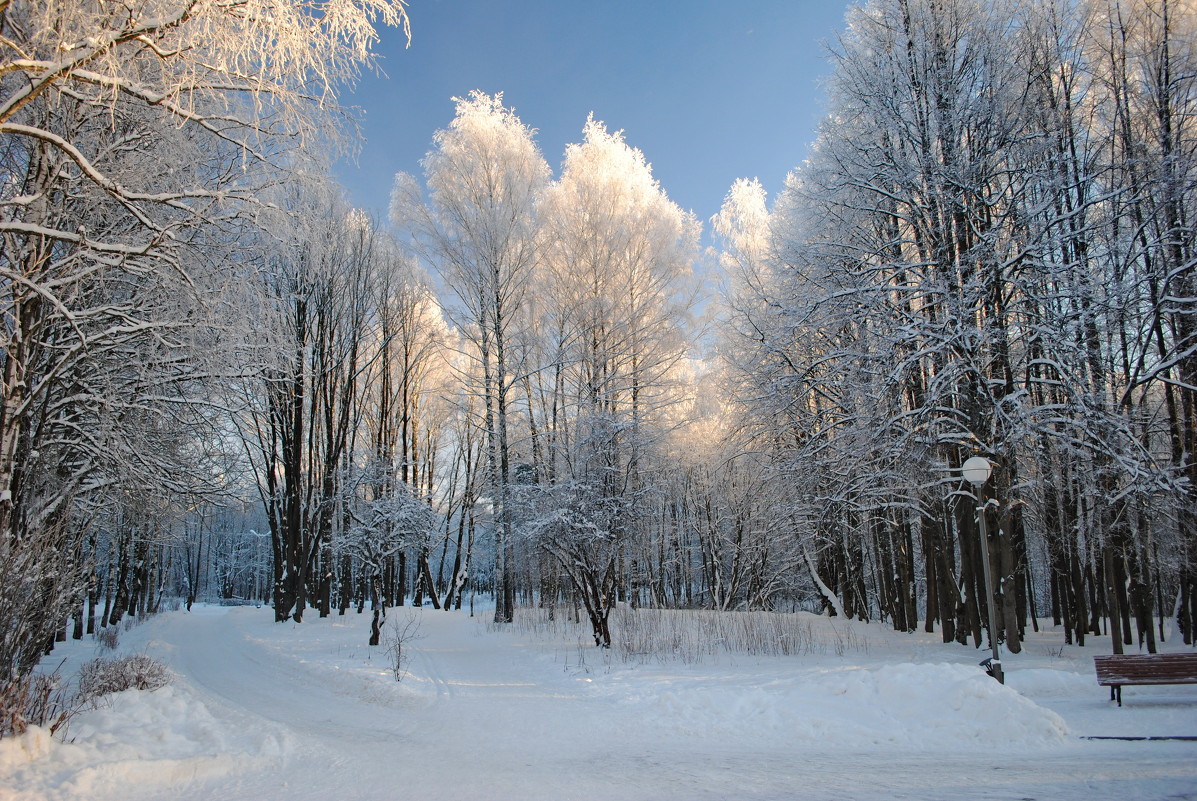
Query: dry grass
(695, 635)
(108, 637)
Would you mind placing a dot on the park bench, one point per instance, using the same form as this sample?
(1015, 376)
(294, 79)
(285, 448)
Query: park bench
(1119, 670)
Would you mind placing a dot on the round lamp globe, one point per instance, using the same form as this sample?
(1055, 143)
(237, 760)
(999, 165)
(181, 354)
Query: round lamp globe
(977, 470)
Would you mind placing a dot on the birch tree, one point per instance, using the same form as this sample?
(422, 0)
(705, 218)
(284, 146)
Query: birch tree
(620, 254)
(477, 231)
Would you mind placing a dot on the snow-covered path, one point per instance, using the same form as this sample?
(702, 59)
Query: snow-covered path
(473, 718)
(264, 711)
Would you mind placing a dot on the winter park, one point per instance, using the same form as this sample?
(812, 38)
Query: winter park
(452, 399)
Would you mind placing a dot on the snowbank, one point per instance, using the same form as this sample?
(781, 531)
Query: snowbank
(133, 739)
(923, 706)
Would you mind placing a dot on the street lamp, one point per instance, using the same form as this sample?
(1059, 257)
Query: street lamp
(977, 471)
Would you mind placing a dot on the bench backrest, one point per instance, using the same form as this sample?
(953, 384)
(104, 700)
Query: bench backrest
(1179, 668)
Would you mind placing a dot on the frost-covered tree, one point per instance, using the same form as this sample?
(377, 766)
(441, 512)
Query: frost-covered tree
(130, 134)
(303, 392)
(477, 231)
(618, 255)
(406, 390)
(1142, 63)
(379, 527)
(970, 262)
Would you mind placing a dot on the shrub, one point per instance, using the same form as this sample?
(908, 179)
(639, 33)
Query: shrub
(108, 637)
(398, 636)
(101, 677)
(34, 700)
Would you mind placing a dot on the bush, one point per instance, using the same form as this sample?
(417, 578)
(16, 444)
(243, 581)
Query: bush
(42, 699)
(398, 636)
(101, 677)
(108, 637)
(35, 700)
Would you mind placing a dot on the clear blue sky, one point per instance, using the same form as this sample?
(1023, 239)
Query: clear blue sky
(709, 91)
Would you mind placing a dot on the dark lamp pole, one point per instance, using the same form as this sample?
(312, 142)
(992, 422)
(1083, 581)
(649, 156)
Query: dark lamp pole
(977, 471)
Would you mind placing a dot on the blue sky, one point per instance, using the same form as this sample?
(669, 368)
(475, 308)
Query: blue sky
(709, 91)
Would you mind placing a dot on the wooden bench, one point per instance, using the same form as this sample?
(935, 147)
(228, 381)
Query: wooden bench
(1119, 670)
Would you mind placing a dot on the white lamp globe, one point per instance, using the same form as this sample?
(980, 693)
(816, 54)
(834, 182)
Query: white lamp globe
(977, 470)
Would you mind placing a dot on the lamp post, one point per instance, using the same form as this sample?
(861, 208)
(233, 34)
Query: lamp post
(977, 471)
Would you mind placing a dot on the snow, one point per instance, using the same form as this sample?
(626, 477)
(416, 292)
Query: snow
(308, 711)
(849, 707)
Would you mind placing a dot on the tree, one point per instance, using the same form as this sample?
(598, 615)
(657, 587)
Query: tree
(477, 231)
(380, 528)
(130, 135)
(619, 254)
(1141, 59)
(406, 410)
(304, 402)
(969, 261)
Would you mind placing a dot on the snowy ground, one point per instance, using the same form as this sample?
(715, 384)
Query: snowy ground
(260, 710)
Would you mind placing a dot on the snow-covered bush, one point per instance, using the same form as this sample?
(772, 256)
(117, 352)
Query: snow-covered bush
(34, 700)
(108, 637)
(101, 677)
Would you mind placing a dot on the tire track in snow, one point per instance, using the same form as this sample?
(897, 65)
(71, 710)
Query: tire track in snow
(435, 674)
(246, 675)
